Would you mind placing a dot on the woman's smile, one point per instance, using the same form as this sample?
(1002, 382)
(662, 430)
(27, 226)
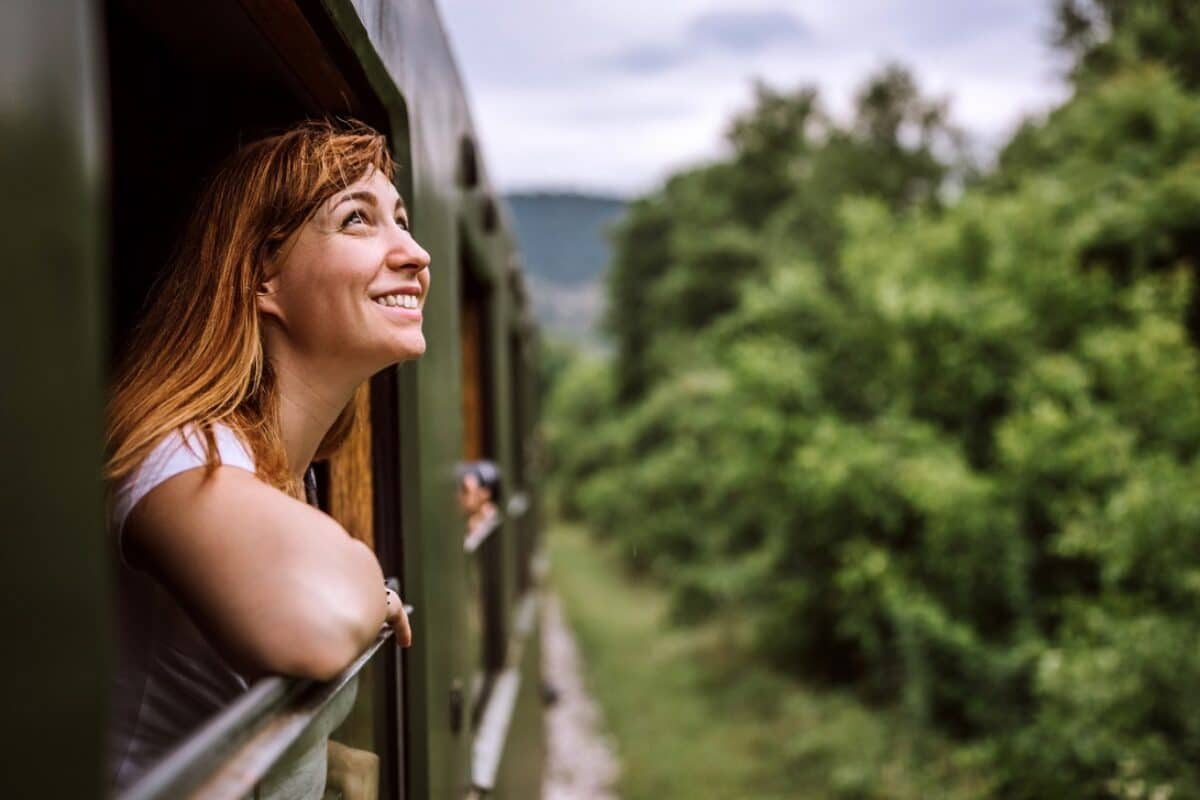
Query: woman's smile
(403, 304)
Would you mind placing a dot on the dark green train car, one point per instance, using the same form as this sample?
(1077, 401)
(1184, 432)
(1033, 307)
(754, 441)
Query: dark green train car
(112, 113)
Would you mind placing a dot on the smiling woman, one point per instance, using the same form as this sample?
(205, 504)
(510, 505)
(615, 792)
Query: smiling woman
(241, 374)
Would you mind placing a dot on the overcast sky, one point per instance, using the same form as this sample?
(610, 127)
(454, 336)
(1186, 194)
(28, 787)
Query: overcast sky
(612, 96)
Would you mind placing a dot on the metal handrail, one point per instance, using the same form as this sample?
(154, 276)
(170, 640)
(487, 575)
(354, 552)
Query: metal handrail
(232, 752)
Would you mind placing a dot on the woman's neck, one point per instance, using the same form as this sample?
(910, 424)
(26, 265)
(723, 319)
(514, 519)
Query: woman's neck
(309, 404)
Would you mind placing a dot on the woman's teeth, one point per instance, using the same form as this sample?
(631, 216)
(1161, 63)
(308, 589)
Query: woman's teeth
(399, 301)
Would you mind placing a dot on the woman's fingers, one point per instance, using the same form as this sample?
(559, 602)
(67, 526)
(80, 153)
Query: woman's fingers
(398, 619)
(402, 629)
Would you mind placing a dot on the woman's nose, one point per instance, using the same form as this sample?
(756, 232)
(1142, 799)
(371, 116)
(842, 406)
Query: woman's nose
(422, 257)
(406, 253)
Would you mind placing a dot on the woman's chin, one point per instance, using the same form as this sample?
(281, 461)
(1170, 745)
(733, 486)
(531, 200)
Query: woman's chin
(408, 347)
(412, 346)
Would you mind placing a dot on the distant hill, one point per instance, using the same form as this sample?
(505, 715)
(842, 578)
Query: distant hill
(562, 235)
(564, 246)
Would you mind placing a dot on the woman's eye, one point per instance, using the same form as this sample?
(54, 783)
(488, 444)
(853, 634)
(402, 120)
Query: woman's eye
(354, 218)
(402, 222)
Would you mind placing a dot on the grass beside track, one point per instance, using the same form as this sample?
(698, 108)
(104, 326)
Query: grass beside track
(694, 718)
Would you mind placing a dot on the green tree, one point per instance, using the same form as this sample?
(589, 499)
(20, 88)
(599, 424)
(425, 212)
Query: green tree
(940, 448)
(683, 253)
(1105, 36)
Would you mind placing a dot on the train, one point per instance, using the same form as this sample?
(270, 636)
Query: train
(113, 114)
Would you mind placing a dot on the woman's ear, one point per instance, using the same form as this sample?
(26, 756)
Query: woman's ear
(266, 296)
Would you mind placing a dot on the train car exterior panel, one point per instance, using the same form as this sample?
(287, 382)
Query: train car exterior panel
(51, 401)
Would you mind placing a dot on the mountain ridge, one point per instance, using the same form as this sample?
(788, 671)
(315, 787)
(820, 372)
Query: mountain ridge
(564, 241)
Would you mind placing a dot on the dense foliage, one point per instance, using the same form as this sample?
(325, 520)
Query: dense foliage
(939, 444)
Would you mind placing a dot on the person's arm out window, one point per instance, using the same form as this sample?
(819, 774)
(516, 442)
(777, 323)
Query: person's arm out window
(278, 585)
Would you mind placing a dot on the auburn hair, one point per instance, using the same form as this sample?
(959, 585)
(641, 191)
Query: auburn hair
(197, 357)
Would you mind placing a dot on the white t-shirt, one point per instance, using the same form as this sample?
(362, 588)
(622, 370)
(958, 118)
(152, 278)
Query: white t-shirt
(170, 680)
(171, 457)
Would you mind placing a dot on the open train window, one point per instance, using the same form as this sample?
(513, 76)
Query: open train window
(475, 327)
(484, 545)
(188, 84)
(520, 416)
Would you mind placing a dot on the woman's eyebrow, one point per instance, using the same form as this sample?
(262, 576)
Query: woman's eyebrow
(367, 197)
(361, 194)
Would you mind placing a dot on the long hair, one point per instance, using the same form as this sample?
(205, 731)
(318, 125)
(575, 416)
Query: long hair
(197, 356)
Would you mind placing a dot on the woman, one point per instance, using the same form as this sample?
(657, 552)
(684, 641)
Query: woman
(296, 280)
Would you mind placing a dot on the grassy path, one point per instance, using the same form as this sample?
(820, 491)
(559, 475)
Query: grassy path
(694, 720)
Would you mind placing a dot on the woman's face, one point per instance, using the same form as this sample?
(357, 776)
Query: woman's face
(351, 284)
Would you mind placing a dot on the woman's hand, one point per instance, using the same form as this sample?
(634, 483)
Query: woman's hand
(398, 619)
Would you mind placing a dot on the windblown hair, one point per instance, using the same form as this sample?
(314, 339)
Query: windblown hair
(197, 358)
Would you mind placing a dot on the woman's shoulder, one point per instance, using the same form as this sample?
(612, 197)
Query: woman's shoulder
(181, 450)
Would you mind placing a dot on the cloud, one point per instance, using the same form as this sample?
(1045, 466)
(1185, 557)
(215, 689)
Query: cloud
(727, 31)
(614, 96)
(937, 24)
(649, 58)
(746, 31)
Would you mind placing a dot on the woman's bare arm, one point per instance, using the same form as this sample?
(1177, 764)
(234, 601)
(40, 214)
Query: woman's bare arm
(279, 585)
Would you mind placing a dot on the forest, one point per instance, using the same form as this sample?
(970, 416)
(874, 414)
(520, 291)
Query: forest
(930, 431)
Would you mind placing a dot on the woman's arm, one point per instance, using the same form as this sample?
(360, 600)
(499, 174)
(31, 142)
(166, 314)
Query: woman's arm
(278, 585)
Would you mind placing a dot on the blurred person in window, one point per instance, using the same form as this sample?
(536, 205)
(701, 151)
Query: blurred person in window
(478, 491)
(296, 279)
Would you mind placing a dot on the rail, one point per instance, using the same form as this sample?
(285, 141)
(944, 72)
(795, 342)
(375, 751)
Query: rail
(235, 750)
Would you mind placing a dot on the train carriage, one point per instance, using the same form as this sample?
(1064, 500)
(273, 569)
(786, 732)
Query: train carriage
(113, 114)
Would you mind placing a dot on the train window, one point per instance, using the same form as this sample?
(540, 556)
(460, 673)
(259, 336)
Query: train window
(489, 215)
(358, 487)
(468, 164)
(476, 380)
(484, 543)
(519, 415)
(188, 84)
